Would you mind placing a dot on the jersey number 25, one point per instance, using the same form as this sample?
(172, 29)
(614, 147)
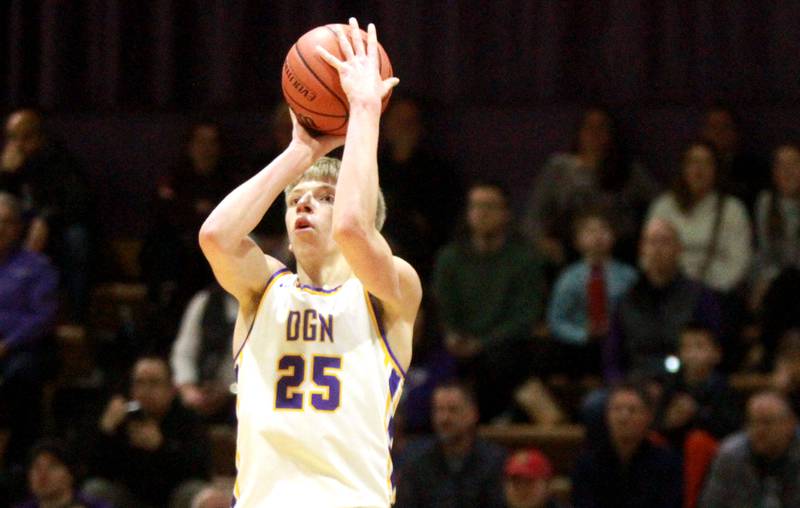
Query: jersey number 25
(325, 396)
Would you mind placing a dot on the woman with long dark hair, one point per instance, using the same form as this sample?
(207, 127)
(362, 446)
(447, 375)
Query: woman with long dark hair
(598, 172)
(714, 227)
(777, 217)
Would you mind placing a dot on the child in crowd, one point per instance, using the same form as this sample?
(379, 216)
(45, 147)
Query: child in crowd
(586, 293)
(698, 408)
(698, 396)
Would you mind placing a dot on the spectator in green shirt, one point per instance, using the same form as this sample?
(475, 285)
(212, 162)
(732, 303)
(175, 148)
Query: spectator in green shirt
(490, 289)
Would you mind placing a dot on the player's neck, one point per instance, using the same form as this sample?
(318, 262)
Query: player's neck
(324, 273)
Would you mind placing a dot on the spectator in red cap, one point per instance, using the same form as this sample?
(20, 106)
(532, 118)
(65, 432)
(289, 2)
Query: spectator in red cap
(527, 480)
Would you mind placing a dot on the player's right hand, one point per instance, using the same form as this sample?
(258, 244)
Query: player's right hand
(318, 146)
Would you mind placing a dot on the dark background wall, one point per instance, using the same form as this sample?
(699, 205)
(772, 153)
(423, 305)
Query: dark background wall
(121, 80)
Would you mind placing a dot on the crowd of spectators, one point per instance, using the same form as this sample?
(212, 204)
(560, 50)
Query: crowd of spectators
(609, 301)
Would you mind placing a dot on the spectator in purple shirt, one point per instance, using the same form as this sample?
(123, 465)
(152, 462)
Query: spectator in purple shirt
(28, 306)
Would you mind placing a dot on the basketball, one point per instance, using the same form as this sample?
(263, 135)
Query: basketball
(311, 86)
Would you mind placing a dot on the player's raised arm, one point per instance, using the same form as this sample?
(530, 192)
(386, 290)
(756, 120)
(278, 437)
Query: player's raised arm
(238, 263)
(390, 279)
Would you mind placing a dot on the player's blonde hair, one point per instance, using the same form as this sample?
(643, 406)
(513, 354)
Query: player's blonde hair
(327, 169)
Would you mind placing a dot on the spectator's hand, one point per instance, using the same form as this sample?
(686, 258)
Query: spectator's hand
(192, 396)
(145, 434)
(38, 233)
(114, 414)
(680, 412)
(12, 158)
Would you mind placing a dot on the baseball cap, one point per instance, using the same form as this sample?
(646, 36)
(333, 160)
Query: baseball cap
(529, 463)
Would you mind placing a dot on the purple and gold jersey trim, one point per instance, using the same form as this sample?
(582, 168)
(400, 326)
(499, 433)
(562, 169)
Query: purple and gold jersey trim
(374, 313)
(274, 277)
(317, 291)
(238, 361)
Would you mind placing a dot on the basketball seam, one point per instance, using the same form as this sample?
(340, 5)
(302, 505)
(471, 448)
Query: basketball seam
(294, 101)
(321, 82)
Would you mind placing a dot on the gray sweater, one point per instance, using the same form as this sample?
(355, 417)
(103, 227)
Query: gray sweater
(737, 481)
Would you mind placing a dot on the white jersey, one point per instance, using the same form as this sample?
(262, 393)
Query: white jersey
(317, 389)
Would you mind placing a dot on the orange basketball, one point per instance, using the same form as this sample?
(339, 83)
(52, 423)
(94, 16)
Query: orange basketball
(311, 86)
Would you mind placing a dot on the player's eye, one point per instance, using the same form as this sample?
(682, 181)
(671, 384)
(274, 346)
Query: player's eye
(327, 198)
(292, 201)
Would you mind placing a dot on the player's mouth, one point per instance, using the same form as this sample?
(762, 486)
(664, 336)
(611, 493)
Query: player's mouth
(302, 224)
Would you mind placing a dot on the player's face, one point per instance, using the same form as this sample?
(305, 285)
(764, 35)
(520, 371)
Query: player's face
(786, 171)
(699, 170)
(309, 213)
(48, 477)
(453, 415)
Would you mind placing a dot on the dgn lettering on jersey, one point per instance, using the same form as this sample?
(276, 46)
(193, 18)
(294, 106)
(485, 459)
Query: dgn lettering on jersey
(309, 325)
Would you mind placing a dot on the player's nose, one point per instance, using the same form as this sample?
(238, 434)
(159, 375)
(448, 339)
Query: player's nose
(304, 203)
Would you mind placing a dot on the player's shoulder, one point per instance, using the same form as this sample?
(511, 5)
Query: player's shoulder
(409, 279)
(410, 288)
(274, 280)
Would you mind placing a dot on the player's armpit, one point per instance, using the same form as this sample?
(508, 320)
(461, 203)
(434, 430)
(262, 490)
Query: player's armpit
(242, 271)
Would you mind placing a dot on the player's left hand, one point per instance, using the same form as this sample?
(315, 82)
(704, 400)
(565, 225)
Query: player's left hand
(359, 73)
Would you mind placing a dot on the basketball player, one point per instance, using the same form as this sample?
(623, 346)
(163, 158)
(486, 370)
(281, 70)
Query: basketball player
(320, 354)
